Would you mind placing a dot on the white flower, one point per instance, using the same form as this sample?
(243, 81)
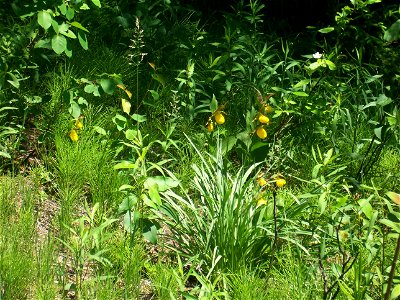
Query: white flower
(317, 55)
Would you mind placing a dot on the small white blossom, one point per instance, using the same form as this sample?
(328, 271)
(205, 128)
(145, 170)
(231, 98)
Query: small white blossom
(317, 55)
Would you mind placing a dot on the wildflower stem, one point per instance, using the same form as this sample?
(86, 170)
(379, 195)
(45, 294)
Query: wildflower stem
(392, 270)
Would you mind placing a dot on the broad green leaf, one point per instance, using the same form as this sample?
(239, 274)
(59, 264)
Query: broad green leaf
(125, 165)
(59, 44)
(228, 143)
(326, 30)
(314, 66)
(228, 85)
(97, 3)
(330, 64)
(154, 195)
(393, 33)
(44, 19)
(14, 80)
(395, 292)
(63, 8)
(150, 231)
(366, 208)
(392, 225)
(139, 118)
(130, 221)
(300, 94)
(154, 94)
(100, 130)
(162, 183)
(315, 170)
(108, 85)
(74, 110)
(84, 6)
(46, 43)
(383, 100)
(378, 132)
(78, 25)
(213, 104)
(55, 26)
(127, 204)
(131, 134)
(83, 40)
(70, 13)
(69, 34)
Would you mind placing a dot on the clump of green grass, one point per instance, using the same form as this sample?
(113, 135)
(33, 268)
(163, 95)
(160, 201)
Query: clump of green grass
(17, 238)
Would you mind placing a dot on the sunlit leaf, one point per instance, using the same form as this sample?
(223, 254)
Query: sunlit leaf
(59, 44)
(126, 106)
(44, 19)
(394, 197)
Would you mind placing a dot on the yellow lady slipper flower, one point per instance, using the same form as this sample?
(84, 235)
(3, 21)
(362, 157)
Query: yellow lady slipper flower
(261, 132)
(73, 135)
(78, 124)
(280, 182)
(210, 126)
(261, 202)
(261, 181)
(263, 119)
(268, 109)
(219, 118)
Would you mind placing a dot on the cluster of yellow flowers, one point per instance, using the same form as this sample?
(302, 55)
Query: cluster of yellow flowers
(261, 181)
(263, 121)
(73, 133)
(219, 118)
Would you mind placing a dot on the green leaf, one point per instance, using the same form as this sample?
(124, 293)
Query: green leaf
(97, 3)
(162, 183)
(213, 104)
(326, 30)
(330, 64)
(300, 94)
(378, 132)
(393, 33)
(154, 94)
(63, 9)
(392, 225)
(78, 25)
(14, 80)
(383, 100)
(131, 134)
(59, 44)
(150, 231)
(127, 204)
(126, 106)
(366, 208)
(99, 130)
(83, 40)
(108, 85)
(130, 221)
(395, 292)
(70, 13)
(44, 19)
(74, 110)
(154, 195)
(228, 143)
(69, 34)
(139, 118)
(125, 165)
